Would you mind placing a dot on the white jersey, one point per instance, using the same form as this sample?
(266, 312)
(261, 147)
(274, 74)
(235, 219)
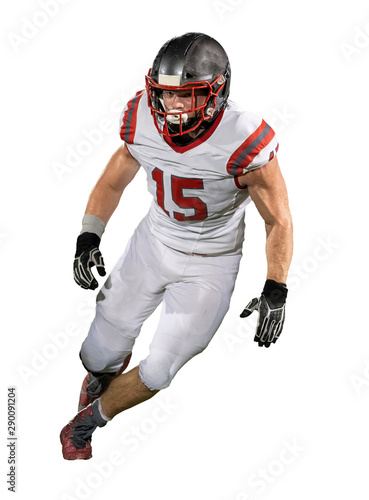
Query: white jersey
(198, 204)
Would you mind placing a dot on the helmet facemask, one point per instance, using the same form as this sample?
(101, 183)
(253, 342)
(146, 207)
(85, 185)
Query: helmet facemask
(201, 98)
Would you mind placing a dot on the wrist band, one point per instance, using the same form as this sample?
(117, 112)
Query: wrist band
(92, 224)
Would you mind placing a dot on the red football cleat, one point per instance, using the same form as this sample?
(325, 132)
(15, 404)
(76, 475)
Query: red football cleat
(93, 386)
(75, 437)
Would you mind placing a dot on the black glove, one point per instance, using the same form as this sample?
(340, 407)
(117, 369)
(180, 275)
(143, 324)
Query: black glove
(87, 255)
(271, 306)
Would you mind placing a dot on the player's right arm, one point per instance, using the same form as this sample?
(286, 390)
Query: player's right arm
(104, 199)
(119, 172)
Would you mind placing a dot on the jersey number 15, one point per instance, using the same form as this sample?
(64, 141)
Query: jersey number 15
(178, 185)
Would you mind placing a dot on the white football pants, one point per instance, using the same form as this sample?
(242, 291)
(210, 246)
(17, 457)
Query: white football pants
(195, 292)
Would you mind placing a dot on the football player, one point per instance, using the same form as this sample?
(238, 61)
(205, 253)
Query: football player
(205, 159)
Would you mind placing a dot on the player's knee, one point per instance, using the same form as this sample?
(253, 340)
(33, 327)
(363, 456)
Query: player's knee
(155, 375)
(105, 348)
(91, 360)
(101, 361)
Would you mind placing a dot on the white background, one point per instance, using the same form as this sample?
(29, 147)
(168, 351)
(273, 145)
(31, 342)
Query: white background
(234, 411)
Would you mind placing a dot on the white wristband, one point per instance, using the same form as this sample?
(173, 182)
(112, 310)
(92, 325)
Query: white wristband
(92, 224)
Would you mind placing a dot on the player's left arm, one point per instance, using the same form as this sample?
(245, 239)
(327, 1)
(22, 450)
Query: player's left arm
(268, 191)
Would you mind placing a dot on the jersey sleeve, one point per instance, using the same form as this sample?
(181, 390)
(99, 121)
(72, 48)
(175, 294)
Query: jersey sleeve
(259, 147)
(128, 119)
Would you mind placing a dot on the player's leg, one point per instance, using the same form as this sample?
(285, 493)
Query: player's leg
(192, 312)
(129, 296)
(95, 383)
(124, 392)
(120, 313)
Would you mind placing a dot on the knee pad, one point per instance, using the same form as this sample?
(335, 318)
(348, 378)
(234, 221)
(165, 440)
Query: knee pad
(99, 374)
(154, 379)
(159, 368)
(104, 349)
(97, 360)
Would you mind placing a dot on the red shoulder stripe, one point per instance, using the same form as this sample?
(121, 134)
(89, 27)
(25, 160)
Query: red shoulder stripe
(128, 128)
(250, 148)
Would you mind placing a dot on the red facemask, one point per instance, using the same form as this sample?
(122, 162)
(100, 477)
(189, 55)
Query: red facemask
(175, 122)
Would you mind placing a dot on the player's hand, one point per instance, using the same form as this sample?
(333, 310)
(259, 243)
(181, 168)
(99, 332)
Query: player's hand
(271, 306)
(87, 255)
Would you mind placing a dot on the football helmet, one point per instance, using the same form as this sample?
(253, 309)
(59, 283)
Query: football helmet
(197, 64)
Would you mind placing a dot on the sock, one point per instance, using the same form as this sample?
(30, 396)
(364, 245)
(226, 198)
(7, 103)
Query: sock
(98, 415)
